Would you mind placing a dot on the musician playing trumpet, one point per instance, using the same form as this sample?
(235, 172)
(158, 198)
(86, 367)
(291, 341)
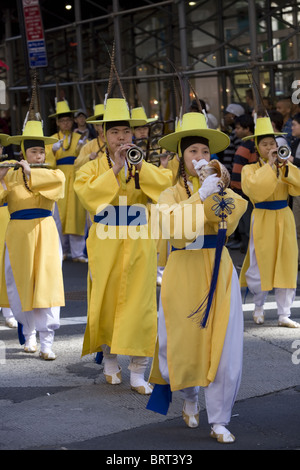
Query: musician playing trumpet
(271, 261)
(122, 313)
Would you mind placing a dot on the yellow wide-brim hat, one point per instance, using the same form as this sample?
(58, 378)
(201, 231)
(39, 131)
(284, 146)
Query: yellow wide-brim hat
(194, 124)
(263, 126)
(33, 130)
(98, 113)
(140, 113)
(62, 107)
(116, 109)
(4, 139)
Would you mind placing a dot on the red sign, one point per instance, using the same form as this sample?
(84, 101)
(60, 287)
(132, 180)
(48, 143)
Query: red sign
(33, 21)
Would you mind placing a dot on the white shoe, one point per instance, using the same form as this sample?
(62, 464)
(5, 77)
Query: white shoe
(190, 414)
(80, 259)
(219, 432)
(48, 356)
(287, 322)
(30, 346)
(139, 384)
(258, 316)
(11, 322)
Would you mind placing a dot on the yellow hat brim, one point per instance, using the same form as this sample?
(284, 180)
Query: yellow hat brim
(4, 139)
(132, 122)
(71, 111)
(218, 141)
(18, 139)
(275, 134)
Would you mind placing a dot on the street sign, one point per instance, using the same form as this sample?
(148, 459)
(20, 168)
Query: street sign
(36, 44)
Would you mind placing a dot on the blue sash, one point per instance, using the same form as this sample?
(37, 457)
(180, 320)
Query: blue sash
(28, 214)
(66, 161)
(4, 205)
(271, 205)
(122, 215)
(209, 241)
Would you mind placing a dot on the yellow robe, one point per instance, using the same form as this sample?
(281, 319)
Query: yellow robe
(33, 245)
(122, 309)
(193, 354)
(71, 212)
(94, 145)
(274, 231)
(4, 219)
(162, 244)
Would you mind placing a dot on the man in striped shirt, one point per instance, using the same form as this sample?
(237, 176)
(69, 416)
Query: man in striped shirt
(244, 155)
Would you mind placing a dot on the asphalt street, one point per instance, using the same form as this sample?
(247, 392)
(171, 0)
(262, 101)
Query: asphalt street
(66, 404)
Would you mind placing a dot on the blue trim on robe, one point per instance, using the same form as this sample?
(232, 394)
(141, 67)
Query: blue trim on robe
(122, 215)
(271, 205)
(28, 214)
(66, 161)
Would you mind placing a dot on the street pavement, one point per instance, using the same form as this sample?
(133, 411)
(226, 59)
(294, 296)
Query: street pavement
(66, 404)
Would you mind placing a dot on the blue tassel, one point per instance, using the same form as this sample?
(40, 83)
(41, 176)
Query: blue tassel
(99, 357)
(20, 333)
(160, 399)
(204, 307)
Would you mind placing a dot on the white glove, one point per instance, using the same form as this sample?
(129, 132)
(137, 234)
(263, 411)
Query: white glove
(199, 164)
(57, 145)
(210, 186)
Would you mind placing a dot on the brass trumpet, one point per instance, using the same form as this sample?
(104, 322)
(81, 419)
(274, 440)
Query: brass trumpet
(283, 153)
(135, 155)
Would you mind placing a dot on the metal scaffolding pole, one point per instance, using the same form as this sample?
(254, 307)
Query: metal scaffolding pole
(117, 36)
(183, 48)
(253, 40)
(79, 53)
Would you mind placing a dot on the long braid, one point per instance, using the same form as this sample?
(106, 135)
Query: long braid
(183, 176)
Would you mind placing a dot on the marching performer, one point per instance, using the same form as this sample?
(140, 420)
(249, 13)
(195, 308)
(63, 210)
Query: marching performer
(69, 214)
(95, 147)
(194, 350)
(271, 261)
(7, 313)
(33, 274)
(122, 312)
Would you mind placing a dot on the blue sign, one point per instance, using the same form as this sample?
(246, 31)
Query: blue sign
(37, 53)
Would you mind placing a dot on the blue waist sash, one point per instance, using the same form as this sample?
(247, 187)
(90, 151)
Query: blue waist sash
(28, 214)
(66, 161)
(271, 205)
(209, 241)
(122, 215)
(4, 205)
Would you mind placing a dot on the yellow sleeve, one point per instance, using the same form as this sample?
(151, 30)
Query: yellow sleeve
(292, 179)
(258, 183)
(49, 183)
(154, 180)
(234, 209)
(181, 222)
(94, 189)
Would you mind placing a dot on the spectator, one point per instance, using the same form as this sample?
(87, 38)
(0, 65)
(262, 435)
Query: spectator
(244, 155)
(231, 112)
(284, 106)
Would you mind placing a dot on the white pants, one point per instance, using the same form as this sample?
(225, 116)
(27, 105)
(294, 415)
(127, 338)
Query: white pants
(7, 312)
(73, 244)
(137, 364)
(220, 394)
(43, 320)
(284, 297)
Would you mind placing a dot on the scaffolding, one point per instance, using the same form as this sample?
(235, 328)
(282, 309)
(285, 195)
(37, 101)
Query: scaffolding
(215, 44)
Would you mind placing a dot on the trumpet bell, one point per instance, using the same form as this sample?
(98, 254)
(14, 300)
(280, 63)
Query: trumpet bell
(134, 155)
(283, 152)
(215, 167)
